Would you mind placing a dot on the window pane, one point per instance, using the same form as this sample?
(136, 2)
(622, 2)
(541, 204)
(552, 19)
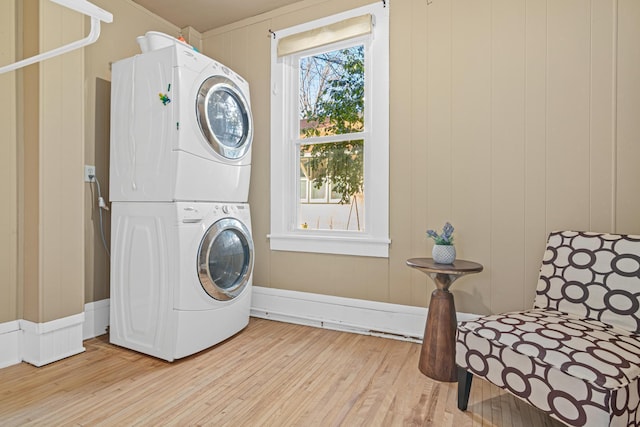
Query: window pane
(332, 92)
(304, 183)
(319, 194)
(304, 180)
(340, 167)
(335, 195)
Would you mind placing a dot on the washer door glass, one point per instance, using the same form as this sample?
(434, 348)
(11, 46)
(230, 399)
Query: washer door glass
(225, 259)
(224, 117)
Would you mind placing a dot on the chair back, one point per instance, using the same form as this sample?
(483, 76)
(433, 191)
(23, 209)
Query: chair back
(592, 275)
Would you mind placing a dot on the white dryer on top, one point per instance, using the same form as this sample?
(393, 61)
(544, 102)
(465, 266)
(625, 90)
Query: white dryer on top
(181, 126)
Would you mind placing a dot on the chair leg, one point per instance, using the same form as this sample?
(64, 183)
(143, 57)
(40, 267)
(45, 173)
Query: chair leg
(464, 387)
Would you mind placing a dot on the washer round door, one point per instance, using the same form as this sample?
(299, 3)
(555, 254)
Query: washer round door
(225, 259)
(224, 117)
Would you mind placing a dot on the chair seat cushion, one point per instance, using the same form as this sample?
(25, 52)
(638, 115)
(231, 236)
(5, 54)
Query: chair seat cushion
(587, 349)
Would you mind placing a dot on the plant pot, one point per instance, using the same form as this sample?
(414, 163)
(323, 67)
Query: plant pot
(444, 254)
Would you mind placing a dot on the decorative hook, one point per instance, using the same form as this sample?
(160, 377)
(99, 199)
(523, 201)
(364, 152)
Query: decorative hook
(272, 33)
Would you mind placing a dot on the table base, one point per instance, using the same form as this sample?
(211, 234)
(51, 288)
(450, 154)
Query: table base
(437, 358)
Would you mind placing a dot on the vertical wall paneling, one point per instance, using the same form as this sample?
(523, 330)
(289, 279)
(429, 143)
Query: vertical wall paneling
(50, 151)
(421, 287)
(62, 155)
(601, 125)
(259, 196)
(507, 151)
(239, 45)
(439, 105)
(97, 263)
(401, 140)
(472, 160)
(220, 49)
(439, 195)
(568, 100)
(8, 168)
(628, 114)
(30, 258)
(535, 143)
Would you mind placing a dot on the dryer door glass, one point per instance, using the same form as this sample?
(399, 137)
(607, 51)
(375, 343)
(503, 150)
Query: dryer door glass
(225, 259)
(224, 117)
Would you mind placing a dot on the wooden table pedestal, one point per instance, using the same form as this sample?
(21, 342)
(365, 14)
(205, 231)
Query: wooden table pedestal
(438, 354)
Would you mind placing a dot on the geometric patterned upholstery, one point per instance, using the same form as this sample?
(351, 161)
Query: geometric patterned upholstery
(592, 275)
(576, 354)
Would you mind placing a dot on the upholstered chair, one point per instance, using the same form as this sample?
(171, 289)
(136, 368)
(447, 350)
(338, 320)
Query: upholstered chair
(576, 354)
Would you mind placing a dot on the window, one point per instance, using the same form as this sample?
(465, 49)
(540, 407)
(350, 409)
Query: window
(330, 135)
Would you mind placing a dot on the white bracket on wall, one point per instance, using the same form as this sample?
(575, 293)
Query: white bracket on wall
(83, 6)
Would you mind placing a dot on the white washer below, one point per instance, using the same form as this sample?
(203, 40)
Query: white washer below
(181, 275)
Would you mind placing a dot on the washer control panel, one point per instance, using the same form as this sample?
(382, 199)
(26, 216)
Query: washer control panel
(227, 209)
(190, 214)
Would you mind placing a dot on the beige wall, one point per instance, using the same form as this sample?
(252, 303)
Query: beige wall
(61, 154)
(29, 161)
(117, 41)
(627, 103)
(8, 169)
(48, 265)
(41, 253)
(508, 118)
(50, 94)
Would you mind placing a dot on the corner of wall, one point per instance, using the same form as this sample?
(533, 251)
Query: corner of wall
(193, 37)
(42, 343)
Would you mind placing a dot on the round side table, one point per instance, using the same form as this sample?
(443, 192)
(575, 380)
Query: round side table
(438, 354)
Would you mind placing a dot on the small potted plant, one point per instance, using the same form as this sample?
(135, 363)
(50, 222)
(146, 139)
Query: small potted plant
(443, 251)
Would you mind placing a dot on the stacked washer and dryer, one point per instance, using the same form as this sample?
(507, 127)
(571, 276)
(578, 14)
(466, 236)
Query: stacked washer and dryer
(182, 251)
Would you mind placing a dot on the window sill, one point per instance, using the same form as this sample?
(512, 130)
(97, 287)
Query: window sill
(326, 244)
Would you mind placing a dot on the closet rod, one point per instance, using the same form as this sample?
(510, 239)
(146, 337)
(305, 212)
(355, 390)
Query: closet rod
(83, 6)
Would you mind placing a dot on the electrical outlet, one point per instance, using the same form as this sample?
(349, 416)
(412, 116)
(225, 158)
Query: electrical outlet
(89, 171)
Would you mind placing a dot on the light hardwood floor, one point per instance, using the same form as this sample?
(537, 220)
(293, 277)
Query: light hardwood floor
(271, 374)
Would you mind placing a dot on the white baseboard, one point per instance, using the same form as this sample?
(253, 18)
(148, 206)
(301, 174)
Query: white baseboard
(96, 319)
(396, 321)
(44, 343)
(10, 343)
(40, 343)
(343, 314)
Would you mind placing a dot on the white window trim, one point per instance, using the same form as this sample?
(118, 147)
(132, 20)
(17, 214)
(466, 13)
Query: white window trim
(285, 235)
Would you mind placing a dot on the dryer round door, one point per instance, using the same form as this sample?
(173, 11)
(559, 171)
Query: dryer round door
(225, 259)
(224, 117)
